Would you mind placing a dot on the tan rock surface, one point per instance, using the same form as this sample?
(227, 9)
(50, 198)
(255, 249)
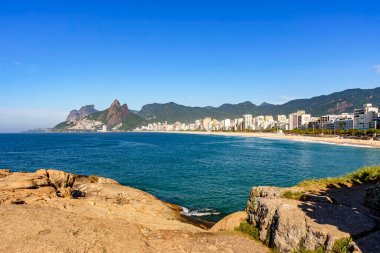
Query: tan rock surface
(106, 217)
(230, 222)
(316, 222)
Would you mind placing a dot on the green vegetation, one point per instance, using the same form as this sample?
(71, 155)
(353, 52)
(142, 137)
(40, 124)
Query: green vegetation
(99, 115)
(345, 133)
(363, 175)
(251, 231)
(60, 126)
(63, 125)
(132, 121)
(294, 195)
(342, 245)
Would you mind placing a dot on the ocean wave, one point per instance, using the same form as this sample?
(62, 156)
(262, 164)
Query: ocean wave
(198, 212)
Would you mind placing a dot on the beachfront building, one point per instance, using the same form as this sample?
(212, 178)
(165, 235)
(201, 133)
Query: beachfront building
(344, 123)
(364, 118)
(207, 124)
(282, 122)
(376, 122)
(215, 125)
(281, 119)
(198, 124)
(269, 122)
(299, 119)
(260, 122)
(192, 127)
(248, 121)
(225, 124)
(238, 124)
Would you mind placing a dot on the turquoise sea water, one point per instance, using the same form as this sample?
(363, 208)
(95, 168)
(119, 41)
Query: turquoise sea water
(209, 175)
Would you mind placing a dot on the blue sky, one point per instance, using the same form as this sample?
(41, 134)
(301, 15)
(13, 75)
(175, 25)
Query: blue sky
(59, 55)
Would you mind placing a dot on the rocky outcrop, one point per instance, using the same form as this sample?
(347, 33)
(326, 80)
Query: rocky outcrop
(117, 118)
(74, 114)
(60, 181)
(63, 182)
(82, 112)
(316, 222)
(87, 110)
(103, 216)
(116, 114)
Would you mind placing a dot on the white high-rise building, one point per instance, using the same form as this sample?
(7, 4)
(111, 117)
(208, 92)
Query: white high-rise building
(247, 121)
(207, 124)
(260, 122)
(298, 119)
(364, 117)
(281, 119)
(225, 124)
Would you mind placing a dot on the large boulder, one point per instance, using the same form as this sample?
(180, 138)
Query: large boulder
(292, 225)
(62, 182)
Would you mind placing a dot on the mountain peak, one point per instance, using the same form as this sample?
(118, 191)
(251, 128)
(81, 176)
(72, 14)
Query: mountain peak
(115, 104)
(265, 104)
(83, 112)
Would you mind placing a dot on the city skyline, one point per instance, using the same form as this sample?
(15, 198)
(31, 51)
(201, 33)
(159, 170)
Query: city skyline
(59, 56)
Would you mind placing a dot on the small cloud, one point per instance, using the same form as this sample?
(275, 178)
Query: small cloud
(17, 63)
(377, 68)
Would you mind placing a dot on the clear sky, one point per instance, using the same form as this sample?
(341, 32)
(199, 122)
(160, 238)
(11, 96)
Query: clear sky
(59, 55)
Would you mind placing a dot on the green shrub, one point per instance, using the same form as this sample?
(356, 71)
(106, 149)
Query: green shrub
(294, 195)
(248, 229)
(363, 175)
(342, 245)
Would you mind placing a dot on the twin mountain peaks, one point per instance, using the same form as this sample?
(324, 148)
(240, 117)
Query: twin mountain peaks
(119, 117)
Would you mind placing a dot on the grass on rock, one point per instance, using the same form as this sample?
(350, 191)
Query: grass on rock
(251, 231)
(363, 175)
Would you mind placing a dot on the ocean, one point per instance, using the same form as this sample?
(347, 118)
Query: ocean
(210, 176)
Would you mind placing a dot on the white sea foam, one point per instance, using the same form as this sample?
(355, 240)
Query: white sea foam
(198, 212)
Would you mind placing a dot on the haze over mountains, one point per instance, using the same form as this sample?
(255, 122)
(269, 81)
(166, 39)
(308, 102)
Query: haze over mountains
(335, 103)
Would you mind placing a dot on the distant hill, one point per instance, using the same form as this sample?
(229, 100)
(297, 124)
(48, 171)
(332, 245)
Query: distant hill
(122, 118)
(335, 103)
(83, 112)
(116, 117)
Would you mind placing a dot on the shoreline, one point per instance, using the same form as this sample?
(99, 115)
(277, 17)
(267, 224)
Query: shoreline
(327, 140)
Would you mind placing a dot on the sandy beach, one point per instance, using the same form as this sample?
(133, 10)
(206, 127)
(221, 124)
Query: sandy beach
(317, 139)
